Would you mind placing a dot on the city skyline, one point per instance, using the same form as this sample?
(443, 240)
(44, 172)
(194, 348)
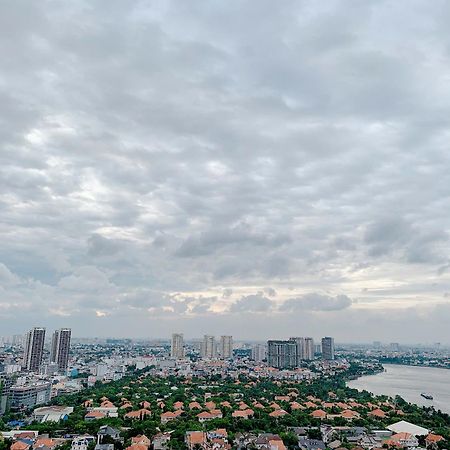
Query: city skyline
(190, 170)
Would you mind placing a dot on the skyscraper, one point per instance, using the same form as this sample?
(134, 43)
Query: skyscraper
(226, 347)
(177, 346)
(209, 347)
(282, 354)
(308, 350)
(300, 343)
(259, 352)
(60, 348)
(328, 348)
(34, 348)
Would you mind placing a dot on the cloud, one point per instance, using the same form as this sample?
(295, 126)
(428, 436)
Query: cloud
(255, 303)
(316, 302)
(159, 157)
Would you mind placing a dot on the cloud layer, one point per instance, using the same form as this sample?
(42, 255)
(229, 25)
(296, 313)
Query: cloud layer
(189, 165)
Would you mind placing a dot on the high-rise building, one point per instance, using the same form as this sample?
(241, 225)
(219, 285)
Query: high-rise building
(259, 352)
(282, 354)
(208, 348)
(327, 348)
(300, 343)
(34, 349)
(308, 349)
(60, 348)
(226, 347)
(177, 346)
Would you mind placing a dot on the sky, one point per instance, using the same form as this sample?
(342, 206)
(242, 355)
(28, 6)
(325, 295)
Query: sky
(248, 168)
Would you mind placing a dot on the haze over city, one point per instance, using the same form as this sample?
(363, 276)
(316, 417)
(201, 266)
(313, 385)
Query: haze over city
(226, 168)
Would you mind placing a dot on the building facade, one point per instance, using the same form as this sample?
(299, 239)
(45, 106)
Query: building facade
(282, 354)
(208, 348)
(61, 348)
(308, 352)
(259, 352)
(328, 348)
(177, 346)
(226, 347)
(34, 349)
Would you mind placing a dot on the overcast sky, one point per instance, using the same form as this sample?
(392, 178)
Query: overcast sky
(262, 169)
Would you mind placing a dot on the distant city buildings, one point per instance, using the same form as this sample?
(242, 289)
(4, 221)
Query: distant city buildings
(208, 347)
(60, 348)
(259, 352)
(34, 349)
(328, 348)
(290, 353)
(177, 346)
(226, 347)
(308, 351)
(282, 354)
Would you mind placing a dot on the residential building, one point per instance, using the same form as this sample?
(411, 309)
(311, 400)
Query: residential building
(34, 349)
(60, 348)
(259, 352)
(29, 395)
(308, 350)
(208, 349)
(177, 346)
(328, 348)
(226, 347)
(282, 354)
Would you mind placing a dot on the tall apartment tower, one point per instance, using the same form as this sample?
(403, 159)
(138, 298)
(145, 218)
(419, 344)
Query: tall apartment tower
(34, 349)
(282, 354)
(259, 352)
(300, 343)
(209, 347)
(226, 347)
(60, 348)
(177, 346)
(308, 350)
(328, 348)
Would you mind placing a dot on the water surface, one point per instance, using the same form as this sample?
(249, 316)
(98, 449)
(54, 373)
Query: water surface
(409, 382)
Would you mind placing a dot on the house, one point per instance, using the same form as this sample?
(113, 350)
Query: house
(310, 444)
(137, 447)
(403, 440)
(432, 439)
(378, 413)
(94, 415)
(349, 414)
(319, 414)
(244, 414)
(178, 405)
(216, 439)
(47, 443)
(278, 413)
(140, 414)
(168, 416)
(205, 416)
(104, 447)
(195, 405)
(82, 442)
(194, 439)
(107, 430)
(244, 440)
(141, 439)
(161, 441)
(19, 445)
(269, 441)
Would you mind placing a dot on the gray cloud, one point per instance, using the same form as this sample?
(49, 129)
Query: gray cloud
(157, 154)
(316, 302)
(255, 303)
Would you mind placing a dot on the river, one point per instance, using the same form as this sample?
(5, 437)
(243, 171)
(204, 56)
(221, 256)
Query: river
(409, 382)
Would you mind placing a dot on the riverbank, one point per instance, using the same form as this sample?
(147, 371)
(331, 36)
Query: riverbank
(409, 382)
